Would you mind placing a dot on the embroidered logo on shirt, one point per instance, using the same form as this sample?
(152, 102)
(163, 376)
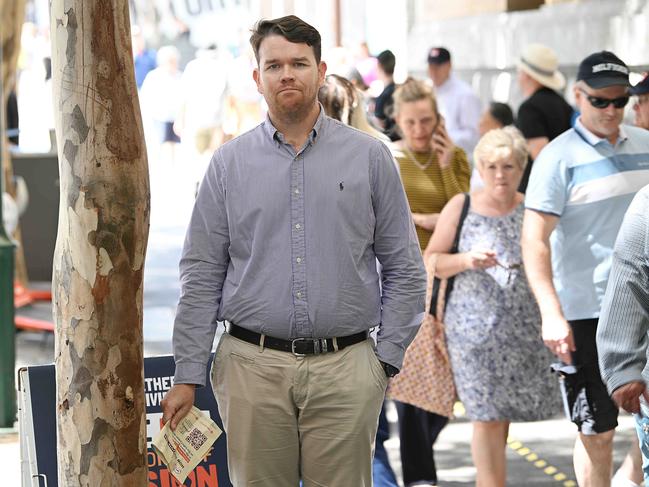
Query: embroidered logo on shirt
(341, 185)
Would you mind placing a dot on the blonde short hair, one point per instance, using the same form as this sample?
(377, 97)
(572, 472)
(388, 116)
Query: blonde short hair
(497, 144)
(413, 90)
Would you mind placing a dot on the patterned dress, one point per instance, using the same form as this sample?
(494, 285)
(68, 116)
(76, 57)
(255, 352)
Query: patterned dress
(493, 330)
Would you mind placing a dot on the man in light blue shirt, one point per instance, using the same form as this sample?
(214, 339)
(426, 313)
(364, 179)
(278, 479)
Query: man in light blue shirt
(283, 241)
(580, 187)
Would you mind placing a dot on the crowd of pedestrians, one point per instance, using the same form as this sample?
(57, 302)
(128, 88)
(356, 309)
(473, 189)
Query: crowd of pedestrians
(513, 218)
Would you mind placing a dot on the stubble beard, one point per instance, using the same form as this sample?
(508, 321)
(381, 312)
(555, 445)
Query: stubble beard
(295, 112)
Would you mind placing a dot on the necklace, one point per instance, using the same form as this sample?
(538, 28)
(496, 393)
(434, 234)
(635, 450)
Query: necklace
(412, 157)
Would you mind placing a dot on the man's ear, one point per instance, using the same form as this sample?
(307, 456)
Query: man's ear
(322, 72)
(256, 75)
(578, 94)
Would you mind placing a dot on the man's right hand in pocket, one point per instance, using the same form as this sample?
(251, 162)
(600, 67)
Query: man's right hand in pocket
(177, 402)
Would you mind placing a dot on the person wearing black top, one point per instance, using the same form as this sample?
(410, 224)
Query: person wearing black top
(383, 103)
(544, 114)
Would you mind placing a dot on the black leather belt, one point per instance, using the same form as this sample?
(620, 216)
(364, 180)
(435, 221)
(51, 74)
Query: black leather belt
(299, 346)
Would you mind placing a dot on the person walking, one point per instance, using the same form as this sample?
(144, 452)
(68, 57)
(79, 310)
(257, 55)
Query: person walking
(580, 187)
(492, 323)
(544, 114)
(623, 328)
(458, 103)
(433, 170)
(641, 104)
(289, 222)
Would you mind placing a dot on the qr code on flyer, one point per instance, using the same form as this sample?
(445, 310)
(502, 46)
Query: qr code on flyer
(196, 439)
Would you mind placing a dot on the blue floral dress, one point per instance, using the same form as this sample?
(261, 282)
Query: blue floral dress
(493, 329)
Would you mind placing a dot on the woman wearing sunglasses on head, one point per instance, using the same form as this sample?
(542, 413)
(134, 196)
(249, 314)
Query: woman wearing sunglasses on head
(492, 322)
(433, 170)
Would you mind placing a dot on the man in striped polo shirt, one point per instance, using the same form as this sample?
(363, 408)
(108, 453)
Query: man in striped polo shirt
(580, 187)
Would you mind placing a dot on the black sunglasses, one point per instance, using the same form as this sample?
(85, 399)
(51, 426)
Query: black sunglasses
(602, 103)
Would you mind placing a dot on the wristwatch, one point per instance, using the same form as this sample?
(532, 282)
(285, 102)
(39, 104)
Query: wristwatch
(390, 370)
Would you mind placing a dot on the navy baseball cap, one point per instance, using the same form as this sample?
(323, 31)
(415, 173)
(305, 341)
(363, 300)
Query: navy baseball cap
(438, 55)
(603, 69)
(642, 87)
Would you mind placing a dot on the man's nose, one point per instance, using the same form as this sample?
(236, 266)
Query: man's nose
(287, 73)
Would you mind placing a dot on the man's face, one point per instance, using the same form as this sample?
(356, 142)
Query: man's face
(641, 109)
(439, 72)
(603, 122)
(288, 77)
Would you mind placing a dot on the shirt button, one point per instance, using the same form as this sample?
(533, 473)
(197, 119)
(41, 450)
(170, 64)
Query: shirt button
(298, 294)
(297, 191)
(298, 260)
(298, 226)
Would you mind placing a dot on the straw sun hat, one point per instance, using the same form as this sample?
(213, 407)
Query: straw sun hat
(540, 62)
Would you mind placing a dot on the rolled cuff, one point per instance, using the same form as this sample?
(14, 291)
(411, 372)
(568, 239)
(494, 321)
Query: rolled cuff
(190, 373)
(623, 377)
(390, 353)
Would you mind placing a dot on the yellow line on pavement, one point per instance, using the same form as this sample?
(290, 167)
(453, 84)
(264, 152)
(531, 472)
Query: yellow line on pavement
(539, 463)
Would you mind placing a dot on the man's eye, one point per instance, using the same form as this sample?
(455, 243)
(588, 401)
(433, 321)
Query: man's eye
(272, 66)
(299, 65)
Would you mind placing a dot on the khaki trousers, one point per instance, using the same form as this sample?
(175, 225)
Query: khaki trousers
(289, 418)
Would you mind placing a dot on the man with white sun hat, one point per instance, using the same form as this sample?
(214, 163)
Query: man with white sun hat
(544, 114)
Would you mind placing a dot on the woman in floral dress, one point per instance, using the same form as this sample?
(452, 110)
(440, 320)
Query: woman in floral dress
(493, 326)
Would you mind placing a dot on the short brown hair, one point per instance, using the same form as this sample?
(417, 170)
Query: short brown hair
(292, 28)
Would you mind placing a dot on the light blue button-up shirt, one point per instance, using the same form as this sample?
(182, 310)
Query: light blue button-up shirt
(285, 243)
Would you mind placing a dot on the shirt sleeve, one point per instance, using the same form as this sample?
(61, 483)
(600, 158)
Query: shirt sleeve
(624, 322)
(547, 189)
(396, 247)
(203, 268)
(530, 122)
(457, 176)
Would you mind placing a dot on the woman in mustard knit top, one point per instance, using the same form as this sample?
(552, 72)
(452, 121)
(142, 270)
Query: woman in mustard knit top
(433, 170)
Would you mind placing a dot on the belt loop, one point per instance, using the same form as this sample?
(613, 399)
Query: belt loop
(261, 343)
(335, 340)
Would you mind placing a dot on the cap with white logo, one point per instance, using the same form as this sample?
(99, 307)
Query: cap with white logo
(603, 69)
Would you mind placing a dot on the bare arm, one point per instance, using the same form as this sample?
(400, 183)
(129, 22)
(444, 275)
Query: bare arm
(535, 244)
(427, 221)
(534, 145)
(442, 240)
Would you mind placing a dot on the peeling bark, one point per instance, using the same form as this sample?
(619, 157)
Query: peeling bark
(101, 244)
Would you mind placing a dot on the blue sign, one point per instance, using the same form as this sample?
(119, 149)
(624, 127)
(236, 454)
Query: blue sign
(158, 378)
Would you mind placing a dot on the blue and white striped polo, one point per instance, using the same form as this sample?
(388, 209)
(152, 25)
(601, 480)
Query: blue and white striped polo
(589, 184)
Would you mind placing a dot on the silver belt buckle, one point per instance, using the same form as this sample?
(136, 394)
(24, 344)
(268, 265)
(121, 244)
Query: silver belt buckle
(293, 346)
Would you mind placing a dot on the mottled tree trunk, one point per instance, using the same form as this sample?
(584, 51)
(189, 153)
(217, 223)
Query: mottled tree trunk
(101, 243)
(12, 15)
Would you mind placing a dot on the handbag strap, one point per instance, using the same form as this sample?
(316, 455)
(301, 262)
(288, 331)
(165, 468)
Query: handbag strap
(465, 211)
(454, 249)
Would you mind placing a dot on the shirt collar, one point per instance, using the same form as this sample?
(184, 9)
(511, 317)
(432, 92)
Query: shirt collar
(275, 134)
(593, 139)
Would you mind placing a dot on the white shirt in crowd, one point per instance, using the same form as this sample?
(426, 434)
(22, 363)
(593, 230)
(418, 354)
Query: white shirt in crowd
(461, 109)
